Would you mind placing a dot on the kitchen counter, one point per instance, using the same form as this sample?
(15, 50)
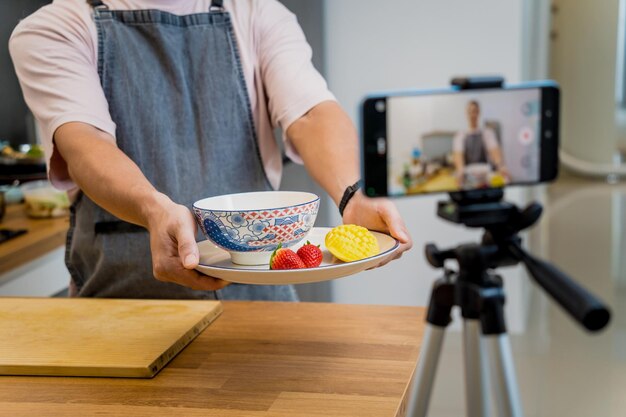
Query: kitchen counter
(43, 236)
(259, 359)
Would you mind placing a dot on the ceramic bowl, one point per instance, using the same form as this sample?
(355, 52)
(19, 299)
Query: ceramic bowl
(43, 200)
(251, 225)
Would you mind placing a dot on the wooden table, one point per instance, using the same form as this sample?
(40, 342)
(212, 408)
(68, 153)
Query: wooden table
(258, 359)
(44, 235)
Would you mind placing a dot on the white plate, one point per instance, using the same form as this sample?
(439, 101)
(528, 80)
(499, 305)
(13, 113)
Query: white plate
(216, 262)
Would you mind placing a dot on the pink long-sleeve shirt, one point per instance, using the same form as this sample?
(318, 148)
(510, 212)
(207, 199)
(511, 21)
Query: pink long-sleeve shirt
(55, 55)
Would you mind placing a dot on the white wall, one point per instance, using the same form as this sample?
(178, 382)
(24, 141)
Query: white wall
(583, 61)
(374, 46)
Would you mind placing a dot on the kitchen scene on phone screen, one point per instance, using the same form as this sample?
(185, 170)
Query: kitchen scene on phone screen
(463, 141)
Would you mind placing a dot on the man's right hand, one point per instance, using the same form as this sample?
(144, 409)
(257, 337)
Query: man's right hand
(120, 187)
(174, 249)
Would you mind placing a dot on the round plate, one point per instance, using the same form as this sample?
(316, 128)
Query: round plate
(216, 262)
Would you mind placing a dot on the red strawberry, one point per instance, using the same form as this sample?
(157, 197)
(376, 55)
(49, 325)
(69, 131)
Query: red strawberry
(285, 259)
(311, 255)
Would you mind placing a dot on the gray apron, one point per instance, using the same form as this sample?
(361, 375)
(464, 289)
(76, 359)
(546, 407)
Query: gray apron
(475, 149)
(176, 91)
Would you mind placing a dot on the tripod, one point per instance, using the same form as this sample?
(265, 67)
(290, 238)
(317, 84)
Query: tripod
(478, 292)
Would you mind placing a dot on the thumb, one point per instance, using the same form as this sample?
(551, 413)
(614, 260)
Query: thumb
(394, 222)
(187, 246)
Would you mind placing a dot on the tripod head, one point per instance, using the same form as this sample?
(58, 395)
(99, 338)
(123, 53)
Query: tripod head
(501, 246)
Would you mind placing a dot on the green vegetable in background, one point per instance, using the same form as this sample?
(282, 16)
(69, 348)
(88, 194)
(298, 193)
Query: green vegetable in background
(35, 152)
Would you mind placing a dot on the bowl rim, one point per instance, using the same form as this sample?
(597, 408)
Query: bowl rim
(314, 198)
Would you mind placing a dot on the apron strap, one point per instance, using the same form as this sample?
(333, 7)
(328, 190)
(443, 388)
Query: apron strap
(97, 4)
(217, 4)
(113, 227)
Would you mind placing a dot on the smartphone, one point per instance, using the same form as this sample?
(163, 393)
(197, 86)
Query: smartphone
(419, 142)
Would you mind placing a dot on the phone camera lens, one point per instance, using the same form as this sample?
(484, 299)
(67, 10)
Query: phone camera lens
(380, 106)
(548, 134)
(548, 113)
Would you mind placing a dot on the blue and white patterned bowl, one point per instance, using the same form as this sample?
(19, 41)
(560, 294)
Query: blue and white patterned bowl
(251, 225)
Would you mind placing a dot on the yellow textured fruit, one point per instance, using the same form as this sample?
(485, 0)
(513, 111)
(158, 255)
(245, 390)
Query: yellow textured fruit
(351, 243)
(498, 181)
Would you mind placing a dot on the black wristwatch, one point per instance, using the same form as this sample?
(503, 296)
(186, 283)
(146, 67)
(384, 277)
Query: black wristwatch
(347, 195)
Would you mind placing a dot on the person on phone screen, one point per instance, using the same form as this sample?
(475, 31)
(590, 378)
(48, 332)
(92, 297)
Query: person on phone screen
(476, 151)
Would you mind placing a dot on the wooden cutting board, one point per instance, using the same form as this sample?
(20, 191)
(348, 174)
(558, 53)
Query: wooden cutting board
(97, 337)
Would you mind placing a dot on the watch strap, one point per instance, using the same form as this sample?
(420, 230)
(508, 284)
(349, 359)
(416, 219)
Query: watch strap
(347, 195)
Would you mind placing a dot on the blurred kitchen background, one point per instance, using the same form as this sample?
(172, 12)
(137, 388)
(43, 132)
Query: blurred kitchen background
(362, 46)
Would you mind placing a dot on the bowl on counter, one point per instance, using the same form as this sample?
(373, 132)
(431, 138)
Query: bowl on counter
(24, 162)
(12, 194)
(42, 200)
(25, 154)
(250, 226)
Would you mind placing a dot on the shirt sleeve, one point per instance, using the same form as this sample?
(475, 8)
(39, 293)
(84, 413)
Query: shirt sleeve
(491, 142)
(457, 142)
(54, 59)
(292, 83)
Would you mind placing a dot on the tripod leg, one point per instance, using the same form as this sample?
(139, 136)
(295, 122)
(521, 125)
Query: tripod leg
(503, 372)
(426, 370)
(475, 370)
(438, 318)
(502, 365)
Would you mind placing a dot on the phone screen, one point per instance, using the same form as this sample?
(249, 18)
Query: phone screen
(460, 140)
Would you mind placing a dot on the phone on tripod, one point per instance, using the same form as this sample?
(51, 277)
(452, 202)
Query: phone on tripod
(470, 141)
(457, 139)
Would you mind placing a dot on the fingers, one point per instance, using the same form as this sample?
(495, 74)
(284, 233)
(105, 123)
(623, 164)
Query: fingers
(173, 272)
(391, 217)
(394, 256)
(187, 247)
(404, 247)
(200, 282)
(197, 281)
(175, 253)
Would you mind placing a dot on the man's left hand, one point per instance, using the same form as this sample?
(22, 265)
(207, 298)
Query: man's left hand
(381, 215)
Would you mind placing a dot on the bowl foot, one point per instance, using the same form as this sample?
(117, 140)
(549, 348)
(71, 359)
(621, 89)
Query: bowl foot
(250, 258)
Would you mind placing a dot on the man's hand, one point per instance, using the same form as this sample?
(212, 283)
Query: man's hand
(327, 141)
(459, 176)
(174, 249)
(128, 195)
(381, 215)
(502, 170)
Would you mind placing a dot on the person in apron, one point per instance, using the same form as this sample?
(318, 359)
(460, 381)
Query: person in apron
(177, 95)
(476, 151)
